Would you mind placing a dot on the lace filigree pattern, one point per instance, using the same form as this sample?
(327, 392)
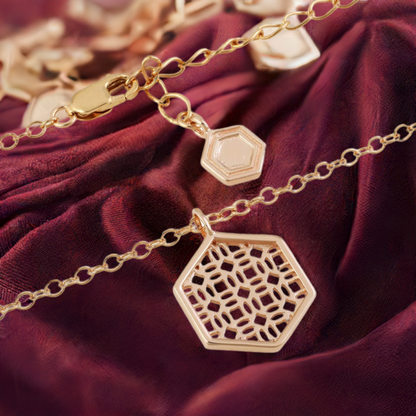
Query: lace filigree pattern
(244, 291)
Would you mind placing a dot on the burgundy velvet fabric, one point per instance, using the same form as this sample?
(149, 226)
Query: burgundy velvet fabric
(121, 344)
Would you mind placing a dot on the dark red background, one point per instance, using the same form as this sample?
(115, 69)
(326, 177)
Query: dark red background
(121, 345)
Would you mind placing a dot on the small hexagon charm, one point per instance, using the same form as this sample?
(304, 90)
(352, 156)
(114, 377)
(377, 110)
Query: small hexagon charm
(244, 292)
(233, 155)
(287, 50)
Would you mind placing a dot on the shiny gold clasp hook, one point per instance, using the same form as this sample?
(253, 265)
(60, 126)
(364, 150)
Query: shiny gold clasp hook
(96, 100)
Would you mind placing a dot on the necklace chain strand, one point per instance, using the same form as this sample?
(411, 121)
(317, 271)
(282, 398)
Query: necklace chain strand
(8, 141)
(267, 196)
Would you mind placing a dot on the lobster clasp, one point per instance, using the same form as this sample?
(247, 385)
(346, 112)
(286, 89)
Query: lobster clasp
(96, 100)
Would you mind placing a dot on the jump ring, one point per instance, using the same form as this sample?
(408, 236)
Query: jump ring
(170, 95)
(64, 124)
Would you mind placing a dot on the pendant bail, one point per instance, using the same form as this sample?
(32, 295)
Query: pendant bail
(202, 222)
(193, 122)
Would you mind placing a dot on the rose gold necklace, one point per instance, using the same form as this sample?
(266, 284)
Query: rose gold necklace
(240, 292)
(233, 154)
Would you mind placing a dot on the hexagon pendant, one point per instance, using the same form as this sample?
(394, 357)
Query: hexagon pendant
(243, 292)
(233, 155)
(287, 50)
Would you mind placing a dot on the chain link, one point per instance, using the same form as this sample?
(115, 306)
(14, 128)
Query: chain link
(242, 207)
(8, 141)
(165, 102)
(203, 56)
(85, 274)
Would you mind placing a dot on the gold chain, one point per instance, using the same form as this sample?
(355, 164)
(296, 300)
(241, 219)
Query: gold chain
(242, 207)
(9, 141)
(34, 130)
(204, 56)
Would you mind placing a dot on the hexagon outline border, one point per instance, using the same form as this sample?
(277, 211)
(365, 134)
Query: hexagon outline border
(238, 345)
(249, 176)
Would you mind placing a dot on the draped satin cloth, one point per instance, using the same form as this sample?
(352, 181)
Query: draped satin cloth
(121, 344)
